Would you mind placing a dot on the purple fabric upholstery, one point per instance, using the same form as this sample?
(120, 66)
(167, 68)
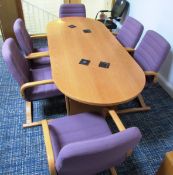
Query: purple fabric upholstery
(76, 128)
(83, 144)
(152, 51)
(22, 36)
(15, 61)
(130, 32)
(26, 45)
(41, 62)
(21, 71)
(67, 10)
(42, 91)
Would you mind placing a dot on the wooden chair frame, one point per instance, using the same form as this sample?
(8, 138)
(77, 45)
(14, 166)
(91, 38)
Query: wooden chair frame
(143, 106)
(48, 145)
(35, 36)
(36, 55)
(29, 105)
(166, 167)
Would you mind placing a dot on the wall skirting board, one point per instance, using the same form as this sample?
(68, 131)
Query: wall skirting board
(166, 85)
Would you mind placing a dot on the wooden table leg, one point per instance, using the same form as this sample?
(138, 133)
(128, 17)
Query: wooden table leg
(74, 107)
(67, 105)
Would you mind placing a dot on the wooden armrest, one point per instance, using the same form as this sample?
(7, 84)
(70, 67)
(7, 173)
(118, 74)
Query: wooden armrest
(39, 36)
(130, 50)
(49, 150)
(116, 120)
(119, 125)
(32, 84)
(37, 55)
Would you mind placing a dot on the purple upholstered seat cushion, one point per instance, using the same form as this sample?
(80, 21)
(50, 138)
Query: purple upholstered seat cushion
(152, 51)
(42, 91)
(22, 36)
(41, 62)
(130, 32)
(66, 130)
(95, 155)
(67, 10)
(15, 61)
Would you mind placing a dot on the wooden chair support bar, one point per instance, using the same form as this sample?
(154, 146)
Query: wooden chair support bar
(29, 110)
(113, 171)
(32, 84)
(39, 36)
(29, 116)
(49, 149)
(37, 55)
(151, 73)
(143, 107)
(116, 120)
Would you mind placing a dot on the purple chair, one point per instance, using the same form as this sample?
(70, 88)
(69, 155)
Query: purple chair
(25, 43)
(35, 84)
(84, 144)
(68, 10)
(130, 32)
(151, 53)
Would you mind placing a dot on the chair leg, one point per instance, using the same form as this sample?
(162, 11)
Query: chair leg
(155, 80)
(29, 116)
(113, 171)
(143, 107)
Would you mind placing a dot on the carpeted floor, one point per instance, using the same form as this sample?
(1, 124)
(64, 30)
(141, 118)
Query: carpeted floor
(22, 151)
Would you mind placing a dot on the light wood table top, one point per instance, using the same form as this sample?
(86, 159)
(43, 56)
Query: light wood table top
(121, 82)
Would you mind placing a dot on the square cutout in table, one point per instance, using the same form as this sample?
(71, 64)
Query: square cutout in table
(71, 26)
(104, 64)
(87, 31)
(84, 62)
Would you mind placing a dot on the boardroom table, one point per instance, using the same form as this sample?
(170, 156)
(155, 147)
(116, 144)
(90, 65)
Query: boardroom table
(90, 67)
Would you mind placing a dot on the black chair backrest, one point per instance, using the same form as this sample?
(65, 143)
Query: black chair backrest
(119, 7)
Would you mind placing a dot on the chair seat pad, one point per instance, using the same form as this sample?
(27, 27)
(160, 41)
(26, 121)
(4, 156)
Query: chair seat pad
(42, 91)
(40, 62)
(75, 128)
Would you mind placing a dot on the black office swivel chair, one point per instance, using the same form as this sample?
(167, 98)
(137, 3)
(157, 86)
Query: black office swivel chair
(119, 8)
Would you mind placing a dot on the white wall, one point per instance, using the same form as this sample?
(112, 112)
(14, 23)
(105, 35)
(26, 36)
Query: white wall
(93, 6)
(157, 15)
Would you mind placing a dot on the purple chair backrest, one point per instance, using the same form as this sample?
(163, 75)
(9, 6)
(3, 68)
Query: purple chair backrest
(15, 61)
(67, 10)
(152, 51)
(22, 36)
(130, 32)
(93, 156)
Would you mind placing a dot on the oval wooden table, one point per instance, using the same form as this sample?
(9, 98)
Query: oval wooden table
(91, 86)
